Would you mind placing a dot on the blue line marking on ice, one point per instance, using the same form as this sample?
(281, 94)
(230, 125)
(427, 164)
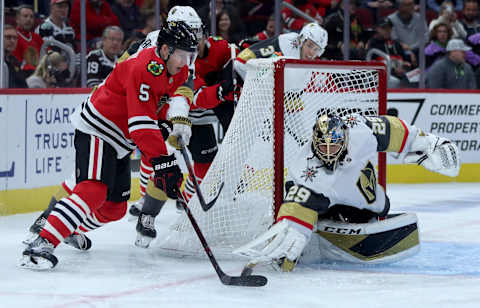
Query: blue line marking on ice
(434, 258)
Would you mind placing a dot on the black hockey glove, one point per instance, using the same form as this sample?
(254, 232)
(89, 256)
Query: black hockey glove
(168, 176)
(227, 83)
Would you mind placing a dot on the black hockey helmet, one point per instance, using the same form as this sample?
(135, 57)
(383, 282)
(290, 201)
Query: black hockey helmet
(329, 142)
(177, 35)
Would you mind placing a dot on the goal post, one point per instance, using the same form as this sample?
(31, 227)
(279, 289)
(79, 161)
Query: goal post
(280, 101)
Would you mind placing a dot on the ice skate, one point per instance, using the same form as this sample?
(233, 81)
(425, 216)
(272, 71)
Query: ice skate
(145, 230)
(136, 209)
(39, 255)
(35, 229)
(79, 241)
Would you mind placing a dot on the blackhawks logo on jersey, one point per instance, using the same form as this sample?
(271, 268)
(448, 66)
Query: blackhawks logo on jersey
(155, 68)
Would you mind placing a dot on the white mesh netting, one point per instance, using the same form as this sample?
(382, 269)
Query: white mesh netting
(244, 163)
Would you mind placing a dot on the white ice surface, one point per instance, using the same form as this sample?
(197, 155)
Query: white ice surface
(114, 273)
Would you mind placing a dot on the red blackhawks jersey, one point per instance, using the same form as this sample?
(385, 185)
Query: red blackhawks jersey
(125, 108)
(217, 54)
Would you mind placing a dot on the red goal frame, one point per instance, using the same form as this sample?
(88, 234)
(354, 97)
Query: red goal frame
(278, 116)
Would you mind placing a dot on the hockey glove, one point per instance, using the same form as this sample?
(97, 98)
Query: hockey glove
(284, 242)
(182, 129)
(168, 176)
(436, 154)
(227, 84)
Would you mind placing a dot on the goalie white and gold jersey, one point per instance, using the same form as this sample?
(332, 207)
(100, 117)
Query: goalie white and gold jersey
(354, 181)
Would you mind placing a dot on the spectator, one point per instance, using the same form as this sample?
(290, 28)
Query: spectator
(16, 76)
(469, 19)
(269, 30)
(436, 5)
(228, 26)
(148, 26)
(99, 15)
(449, 16)
(436, 49)
(400, 59)
(100, 62)
(452, 72)
(295, 23)
(29, 43)
(55, 26)
(204, 11)
(334, 27)
(51, 72)
(379, 4)
(408, 26)
(128, 15)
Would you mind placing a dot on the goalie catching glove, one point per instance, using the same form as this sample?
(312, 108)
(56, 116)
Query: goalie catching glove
(168, 176)
(434, 153)
(284, 242)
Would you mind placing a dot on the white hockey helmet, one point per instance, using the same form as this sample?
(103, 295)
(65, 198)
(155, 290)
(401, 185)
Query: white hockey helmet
(316, 33)
(188, 15)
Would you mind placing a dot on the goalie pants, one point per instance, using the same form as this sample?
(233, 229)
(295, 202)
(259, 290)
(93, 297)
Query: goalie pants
(100, 195)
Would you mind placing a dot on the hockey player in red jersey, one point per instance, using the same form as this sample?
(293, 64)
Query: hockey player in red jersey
(211, 101)
(121, 114)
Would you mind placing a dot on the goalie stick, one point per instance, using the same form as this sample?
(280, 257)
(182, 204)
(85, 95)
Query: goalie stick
(244, 281)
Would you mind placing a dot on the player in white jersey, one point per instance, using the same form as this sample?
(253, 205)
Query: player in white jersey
(309, 44)
(333, 186)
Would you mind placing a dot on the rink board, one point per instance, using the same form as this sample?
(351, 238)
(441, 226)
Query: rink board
(38, 153)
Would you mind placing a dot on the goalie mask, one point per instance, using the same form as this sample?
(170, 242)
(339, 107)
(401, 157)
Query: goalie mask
(329, 142)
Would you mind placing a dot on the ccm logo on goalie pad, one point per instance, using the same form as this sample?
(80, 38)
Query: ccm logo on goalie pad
(341, 230)
(166, 165)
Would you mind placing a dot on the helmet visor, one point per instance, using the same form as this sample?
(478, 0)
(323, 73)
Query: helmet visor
(183, 56)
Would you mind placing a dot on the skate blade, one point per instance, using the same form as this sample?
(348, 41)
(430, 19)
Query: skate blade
(31, 237)
(35, 263)
(143, 241)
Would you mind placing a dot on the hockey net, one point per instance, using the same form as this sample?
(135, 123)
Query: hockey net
(280, 101)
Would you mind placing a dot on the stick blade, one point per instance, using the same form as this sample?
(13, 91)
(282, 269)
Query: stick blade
(244, 281)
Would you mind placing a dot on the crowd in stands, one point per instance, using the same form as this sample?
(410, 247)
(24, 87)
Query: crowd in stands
(39, 43)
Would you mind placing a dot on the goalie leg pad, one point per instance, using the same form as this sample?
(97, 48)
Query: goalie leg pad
(385, 241)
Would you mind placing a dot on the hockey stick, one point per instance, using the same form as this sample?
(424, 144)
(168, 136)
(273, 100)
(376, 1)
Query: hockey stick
(244, 281)
(205, 206)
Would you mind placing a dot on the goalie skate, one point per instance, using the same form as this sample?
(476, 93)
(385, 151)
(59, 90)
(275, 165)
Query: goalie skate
(39, 255)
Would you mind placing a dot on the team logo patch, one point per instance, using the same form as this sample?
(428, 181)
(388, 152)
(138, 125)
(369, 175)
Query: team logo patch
(351, 121)
(308, 174)
(155, 68)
